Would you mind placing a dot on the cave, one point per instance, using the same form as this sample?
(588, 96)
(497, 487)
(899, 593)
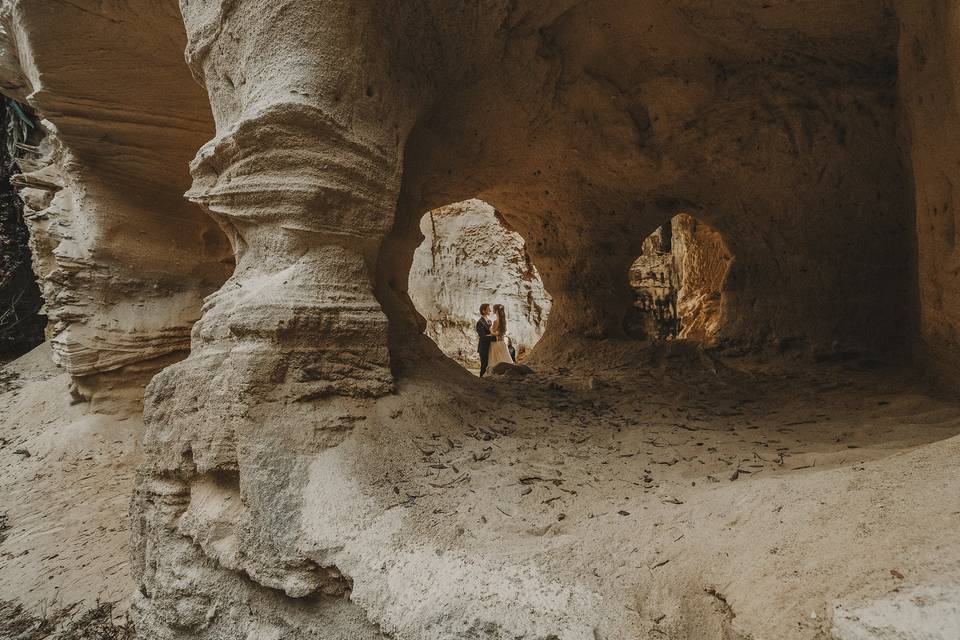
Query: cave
(469, 255)
(262, 229)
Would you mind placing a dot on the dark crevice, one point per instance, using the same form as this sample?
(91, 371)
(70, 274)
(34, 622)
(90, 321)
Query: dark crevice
(21, 322)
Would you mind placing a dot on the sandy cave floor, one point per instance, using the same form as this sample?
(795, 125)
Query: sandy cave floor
(687, 495)
(66, 477)
(691, 495)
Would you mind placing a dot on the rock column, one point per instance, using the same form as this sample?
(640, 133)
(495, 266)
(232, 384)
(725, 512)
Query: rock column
(303, 176)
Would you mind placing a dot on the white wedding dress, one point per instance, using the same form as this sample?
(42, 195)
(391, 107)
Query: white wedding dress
(498, 349)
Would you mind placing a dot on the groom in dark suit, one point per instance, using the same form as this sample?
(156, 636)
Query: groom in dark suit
(484, 337)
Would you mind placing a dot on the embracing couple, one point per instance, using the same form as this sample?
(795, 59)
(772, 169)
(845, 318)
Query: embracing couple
(493, 344)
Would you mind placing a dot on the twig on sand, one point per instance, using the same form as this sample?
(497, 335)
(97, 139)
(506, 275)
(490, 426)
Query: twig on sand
(531, 479)
(426, 452)
(450, 483)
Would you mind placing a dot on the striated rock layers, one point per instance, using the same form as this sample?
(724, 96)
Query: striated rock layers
(296, 397)
(467, 258)
(128, 258)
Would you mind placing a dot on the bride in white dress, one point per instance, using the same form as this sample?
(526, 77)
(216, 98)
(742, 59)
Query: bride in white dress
(498, 348)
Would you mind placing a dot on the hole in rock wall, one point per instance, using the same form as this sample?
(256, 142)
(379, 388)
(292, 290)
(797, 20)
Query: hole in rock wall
(677, 282)
(470, 256)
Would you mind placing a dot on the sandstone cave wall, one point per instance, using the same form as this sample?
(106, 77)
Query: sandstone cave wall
(655, 283)
(303, 171)
(679, 280)
(468, 257)
(776, 127)
(702, 256)
(131, 260)
(930, 93)
(807, 191)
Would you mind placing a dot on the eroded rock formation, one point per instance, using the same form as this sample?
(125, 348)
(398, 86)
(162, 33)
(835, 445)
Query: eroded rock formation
(467, 258)
(310, 467)
(136, 259)
(703, 261)
(670, 138)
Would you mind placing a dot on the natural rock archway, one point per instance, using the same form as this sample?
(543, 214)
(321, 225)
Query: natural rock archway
(467, 258)
(316, 468)
(678, 281)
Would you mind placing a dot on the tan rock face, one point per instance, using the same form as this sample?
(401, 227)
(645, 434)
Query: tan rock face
(310, 465)
(131, 260)
(929, 75)
(703, 261)
(818, 141)
(467, 258)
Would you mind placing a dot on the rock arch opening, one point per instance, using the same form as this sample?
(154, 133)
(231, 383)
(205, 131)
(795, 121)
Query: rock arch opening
(677, 283)
(469, 255)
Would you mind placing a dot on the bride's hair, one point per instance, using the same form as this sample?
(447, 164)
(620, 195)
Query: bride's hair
(501, 318)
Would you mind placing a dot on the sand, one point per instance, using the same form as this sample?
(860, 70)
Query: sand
(66, 503)
(672, 495)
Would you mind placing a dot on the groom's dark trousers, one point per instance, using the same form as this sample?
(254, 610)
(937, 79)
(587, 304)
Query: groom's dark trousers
(484, 338)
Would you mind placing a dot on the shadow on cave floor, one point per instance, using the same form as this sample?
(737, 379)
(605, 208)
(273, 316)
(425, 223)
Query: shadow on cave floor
(651, 474)
(685, 409)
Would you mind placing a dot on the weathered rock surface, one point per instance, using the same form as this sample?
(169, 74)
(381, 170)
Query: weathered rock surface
(467, 258)
(133, 260)
(704, 261)
(929, 77)
(316, 468)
